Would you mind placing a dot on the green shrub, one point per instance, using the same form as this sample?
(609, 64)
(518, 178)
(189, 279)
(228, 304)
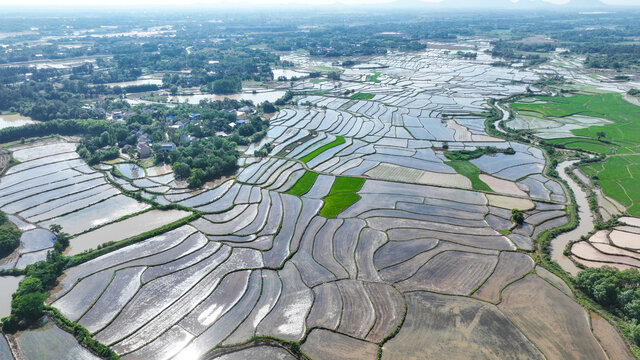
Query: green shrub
(9, 239)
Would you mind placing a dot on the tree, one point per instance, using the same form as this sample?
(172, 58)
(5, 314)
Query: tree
(105, 139)
(227, 86)
(62, 242)
(517, 216)
(142, 119)
(601, 134)
(28, 285)
(28, 307)
(55, 228)
(268, 107)
(173, 90)
(9, 239)
(181, 170)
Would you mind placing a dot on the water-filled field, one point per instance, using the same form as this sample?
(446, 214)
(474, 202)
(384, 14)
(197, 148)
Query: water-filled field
(355, 237)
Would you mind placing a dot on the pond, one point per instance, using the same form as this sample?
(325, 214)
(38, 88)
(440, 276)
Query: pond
(287, 73)
(247, 94)
(142, 81)
(13, 120)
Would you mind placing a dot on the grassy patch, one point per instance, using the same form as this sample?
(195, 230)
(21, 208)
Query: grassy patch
(317, 92)
(318, 81)
(304, 184)
(471, 172)
(373, 77)
(338, 141)
(362, 96)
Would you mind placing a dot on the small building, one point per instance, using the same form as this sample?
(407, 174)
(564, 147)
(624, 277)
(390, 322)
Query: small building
(125, 149)
(170, 119)
(240, 122)
(166, 146)
(126, 114)
(221, 134)
(232, 124)
(187, 139)
(143, 150)
(247, 109)
(194, 116)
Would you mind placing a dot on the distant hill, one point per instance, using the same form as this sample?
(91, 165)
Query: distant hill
(500, 4)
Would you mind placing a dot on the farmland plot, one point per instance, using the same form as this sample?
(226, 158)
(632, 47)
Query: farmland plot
(278, 252)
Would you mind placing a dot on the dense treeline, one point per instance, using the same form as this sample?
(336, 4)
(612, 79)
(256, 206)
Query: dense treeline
(9, 236)
(202, 160)
(62, 127)
(617, 291)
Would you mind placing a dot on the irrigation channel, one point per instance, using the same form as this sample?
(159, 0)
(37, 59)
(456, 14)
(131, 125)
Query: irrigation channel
(585, 223)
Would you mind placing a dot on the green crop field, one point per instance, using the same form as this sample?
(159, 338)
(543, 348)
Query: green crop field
(337, 203)
(619, 174)
(624, 131)
(304, 184)
(341, 196)
(346, 184)
(584, 144)
(470, 171)
(338, 141)
(362, 96)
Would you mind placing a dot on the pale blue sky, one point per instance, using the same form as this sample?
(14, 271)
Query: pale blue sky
(156, 3)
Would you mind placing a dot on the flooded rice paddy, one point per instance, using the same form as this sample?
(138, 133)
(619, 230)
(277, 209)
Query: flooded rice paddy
(419, 254)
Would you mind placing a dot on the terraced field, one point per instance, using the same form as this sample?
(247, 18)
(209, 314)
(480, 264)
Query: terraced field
(349, 247)
(619, 246)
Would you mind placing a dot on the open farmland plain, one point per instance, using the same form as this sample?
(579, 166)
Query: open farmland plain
(355, 238)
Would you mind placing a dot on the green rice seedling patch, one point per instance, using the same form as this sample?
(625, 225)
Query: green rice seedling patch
(338, 141)
(471, 172)
(344, 184)
(341, 196)
(304, 184)
(337, 203)
(362, 96)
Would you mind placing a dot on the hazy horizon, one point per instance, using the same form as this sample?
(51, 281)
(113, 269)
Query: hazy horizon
(114, 4)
